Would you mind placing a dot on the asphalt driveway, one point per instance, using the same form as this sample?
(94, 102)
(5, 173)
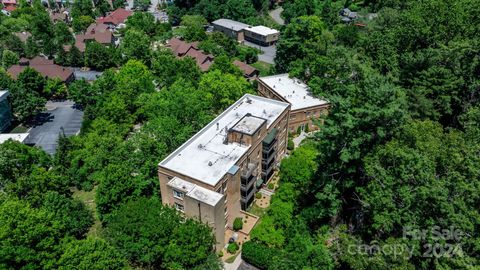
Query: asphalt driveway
(49, 124)
(268, 53)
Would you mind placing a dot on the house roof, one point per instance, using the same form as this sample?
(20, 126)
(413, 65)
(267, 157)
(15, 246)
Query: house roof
(247, 69)
(230, 24)
(96, 31)
(181, 49)
(23, 36)
(293, 91)
(116, 17)
(205, 157)
(10, 8)
(45, 67)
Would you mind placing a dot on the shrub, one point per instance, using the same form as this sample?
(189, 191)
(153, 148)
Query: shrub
(271, 186)
(232, 248)
(258, 195)
(307, 129)
(299, 130)
(258, 255)
(237, 224)
(220, 254)
(290, 145)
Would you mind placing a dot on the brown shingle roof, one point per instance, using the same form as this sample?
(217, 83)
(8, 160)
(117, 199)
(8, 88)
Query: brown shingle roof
(23, 36)
(181, 49)
(45, 67)
(248, 70)
(98, 32)
(116, 17)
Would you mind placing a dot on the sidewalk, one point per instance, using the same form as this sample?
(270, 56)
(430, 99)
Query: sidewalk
(235, 265)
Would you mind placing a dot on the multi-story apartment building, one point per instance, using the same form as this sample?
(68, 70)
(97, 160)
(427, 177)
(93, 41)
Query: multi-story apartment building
(214, 175)
(304, 106)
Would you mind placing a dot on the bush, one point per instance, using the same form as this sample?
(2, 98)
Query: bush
(299, 130)
(237, 224)
(258, 255)
(271, 186)
(290, 144)
(307, 129)
(258, 195)
(220, 254)
(232, 248)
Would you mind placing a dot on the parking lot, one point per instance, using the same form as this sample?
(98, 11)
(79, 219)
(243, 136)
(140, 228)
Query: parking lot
(59, 117)
(268, 53)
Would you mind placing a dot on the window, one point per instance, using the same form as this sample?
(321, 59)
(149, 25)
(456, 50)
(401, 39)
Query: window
(179, 207)
(178, 194)
(293, 116)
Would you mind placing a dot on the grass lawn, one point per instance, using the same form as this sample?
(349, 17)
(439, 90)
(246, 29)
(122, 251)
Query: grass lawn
(257, 210)
(232, 259)
(263, 68)
(88, 198)
(19, 129)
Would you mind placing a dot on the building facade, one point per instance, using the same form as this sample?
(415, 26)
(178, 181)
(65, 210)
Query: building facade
(261, 35)
(5, 112)
(214, 175)
(230, 28)
(306, 109)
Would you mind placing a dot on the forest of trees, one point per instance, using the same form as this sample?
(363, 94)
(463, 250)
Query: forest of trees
(398, 149)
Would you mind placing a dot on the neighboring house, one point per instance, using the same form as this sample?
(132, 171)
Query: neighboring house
(9, 5)
(61, 16)
(346, 15)
(262, 35)
(5, 111)
(230, 28)
(46, 67)
(305, 107)
(183, 49)
(116, 17)
(23, 36)
(249, 72)
(95, 32)
(215, 174)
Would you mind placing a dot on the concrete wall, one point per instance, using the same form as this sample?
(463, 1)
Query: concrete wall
(238, 35)
(261, 39)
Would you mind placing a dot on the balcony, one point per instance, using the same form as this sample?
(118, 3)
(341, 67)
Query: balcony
(247, 173)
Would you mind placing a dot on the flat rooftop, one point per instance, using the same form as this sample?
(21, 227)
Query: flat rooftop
(196, 192)
(262, 30)
(230, 24)
(205, 157)
(293, 90)
(248, 124)
(19, 137)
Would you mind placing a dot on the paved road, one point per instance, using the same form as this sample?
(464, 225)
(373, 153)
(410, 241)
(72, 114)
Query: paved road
(246, 266)
(89, 75)
(49, 124)
(268, 53)
(275, 14)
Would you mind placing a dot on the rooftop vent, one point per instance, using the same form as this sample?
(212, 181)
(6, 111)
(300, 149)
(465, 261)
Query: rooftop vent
(200, 146)
(249, 101)
(304, 97)
(218, 125)
(210, 163)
